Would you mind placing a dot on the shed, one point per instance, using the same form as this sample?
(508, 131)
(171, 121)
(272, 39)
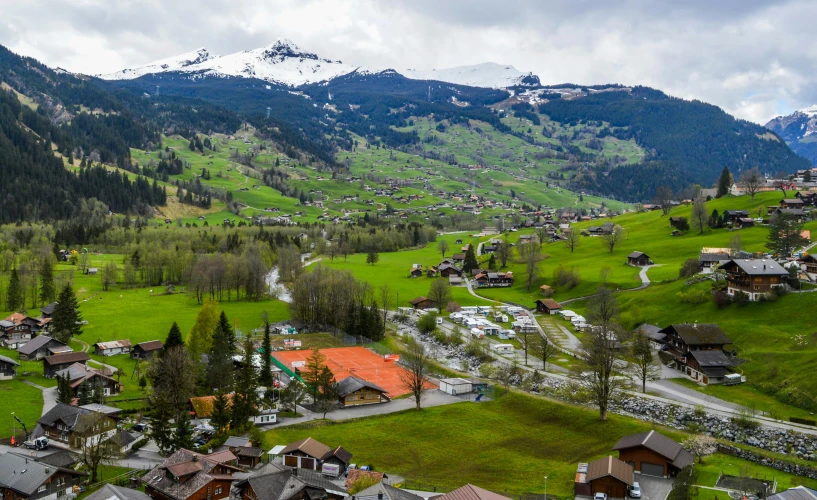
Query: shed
(421, 303)
(548, 306)
(653, 454)
(146, 350)
(354, 391)
(611, 476)
(8, 368)
(57, 362)
(111, 348)
(638, 259)
(455, 386)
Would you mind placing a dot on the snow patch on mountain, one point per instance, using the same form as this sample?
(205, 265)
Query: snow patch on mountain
(175, 63)
(810, 111)
(489, 75)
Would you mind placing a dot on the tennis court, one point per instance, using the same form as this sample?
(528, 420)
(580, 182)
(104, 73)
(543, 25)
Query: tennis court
(358, 361)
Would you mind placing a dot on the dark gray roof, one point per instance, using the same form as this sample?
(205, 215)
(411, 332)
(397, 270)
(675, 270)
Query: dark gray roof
(712, 257)
(62, 458)
(736, 212)
(712, 357)
(652, 332)
(49, 309)
(64, 413)
(351, 384)
(37, 342)
(636, 255)
(278, 482)
(798, 493)
(121, 438)
(4, 359)
(111, 492)
(24, 475)
(150, 345)
(389, 493)
(237, 441)
(659, 443)
(758, 267)
(699, 333)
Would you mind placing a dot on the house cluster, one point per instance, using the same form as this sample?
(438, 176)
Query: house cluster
(76, 426)
(698, 350)
(647, 453)
(17, 329)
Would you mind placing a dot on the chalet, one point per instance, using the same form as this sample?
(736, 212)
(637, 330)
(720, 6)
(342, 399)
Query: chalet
(755, 277)
(187, 475)
(431, 272)
(685, 337)
(486, 249)
(8, 368)
(548, 306)
(313, 455)
(354, 391)
(792, 203)
(79, 374)
(707, 262)
(653, 454)
(57, 362)
(471, 492)
(745, 222)
(24, 478)
(809, 198)
(675, 221)
(455, 281)
(610, 476)
(458, 258)
(112, 348)
(247, 454)
(383, 491)
(275, 481)
(493, 280)
(111, 492)
(447, 270)
(47, 311)
(40, 347)
(638, 259)
(796, 493)
(545, 291)
(416, 271)
(146, 350)
(74, 425)
(422, 303)
(652, 332)
(707, 367)
(17, 329)
(808, 265)
(733, 216)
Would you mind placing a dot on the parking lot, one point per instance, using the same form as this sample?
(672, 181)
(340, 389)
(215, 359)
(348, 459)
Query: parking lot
(653, 488)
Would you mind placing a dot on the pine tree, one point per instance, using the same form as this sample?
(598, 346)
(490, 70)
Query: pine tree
(221, 414)
(65, 322)
(265, 378)
(174, 338)
(13, 296)
(219, 371)
(200, 338)
(47, 287)
(85, 394)
(245, 397)
(312, 370)
(98, 394)
(183, 435)
(64, 392)
(492, 262)
(470, 262)
(724, 182)
(159, 418)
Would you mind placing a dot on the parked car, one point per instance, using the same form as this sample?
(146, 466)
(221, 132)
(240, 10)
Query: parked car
(635, 490)
(138, 427)
(600, 496)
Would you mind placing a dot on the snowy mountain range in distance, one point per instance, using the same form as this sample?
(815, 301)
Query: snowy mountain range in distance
(284, 63)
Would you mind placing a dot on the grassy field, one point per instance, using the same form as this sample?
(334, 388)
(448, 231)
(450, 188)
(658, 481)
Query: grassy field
(509, 443)
(22, 399)
(716, 465)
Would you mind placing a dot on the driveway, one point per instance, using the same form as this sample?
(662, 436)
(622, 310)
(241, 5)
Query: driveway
(654, 488)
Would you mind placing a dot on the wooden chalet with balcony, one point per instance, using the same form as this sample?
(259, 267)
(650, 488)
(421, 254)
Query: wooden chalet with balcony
(754, 277)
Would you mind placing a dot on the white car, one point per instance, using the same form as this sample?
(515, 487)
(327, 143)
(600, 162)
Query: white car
(635, 490)
(600, 496)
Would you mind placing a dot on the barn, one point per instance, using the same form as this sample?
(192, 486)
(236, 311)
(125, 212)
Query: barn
(653, 454)
(611, 476)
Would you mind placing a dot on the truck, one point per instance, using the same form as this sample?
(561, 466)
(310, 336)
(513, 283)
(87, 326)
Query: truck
(39, 443)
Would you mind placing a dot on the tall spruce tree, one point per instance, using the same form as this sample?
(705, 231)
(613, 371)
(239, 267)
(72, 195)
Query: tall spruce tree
(245, 397)
(47, 287)
(221, 415)
(219, 371)
(470, 262)
(183, 434)
(85, 393)
(65, 321)
(265, 378)
(159, 417)
(724, 182)
(14, 296)
(174, 337)
(65, 394)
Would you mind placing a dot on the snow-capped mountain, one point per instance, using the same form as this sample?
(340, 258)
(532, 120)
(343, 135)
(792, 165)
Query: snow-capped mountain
(488, 75)
(799, 130)
(176, 63)
(281, 62)
(284, 63)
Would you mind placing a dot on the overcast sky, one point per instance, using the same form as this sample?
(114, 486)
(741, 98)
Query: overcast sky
(755, 59)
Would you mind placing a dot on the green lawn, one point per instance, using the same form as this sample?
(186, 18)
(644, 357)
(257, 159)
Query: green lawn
(22, 399)
(506, 445)
(714, 466)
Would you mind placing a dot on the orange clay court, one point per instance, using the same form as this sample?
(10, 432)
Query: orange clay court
(358, 361)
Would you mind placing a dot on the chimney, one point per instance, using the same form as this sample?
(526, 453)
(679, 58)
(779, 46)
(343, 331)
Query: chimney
(380, 496)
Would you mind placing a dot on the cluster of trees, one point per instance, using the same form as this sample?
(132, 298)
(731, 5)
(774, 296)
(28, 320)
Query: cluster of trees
(327, 298)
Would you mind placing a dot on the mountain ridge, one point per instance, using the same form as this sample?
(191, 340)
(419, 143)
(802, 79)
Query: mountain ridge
(799, 130)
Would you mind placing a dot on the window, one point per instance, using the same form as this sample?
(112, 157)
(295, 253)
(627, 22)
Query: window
(41, 489)
(217, 490)
(60, 481)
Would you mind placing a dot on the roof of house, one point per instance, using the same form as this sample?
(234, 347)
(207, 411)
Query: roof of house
(64, 413)
(636, 255)
(237, 441)
(549, 303)
(797, 493)
(341, 454)
(352, 384)
(471, 492)
(62, 458)
(277, 482)
(659, 443)
(710, 357)
(222, 457)
(111, 492)
(699, 333)
(37, 342)
(4, 359)
(24, 475)
(712, 257)
(610, 466)
(250, 451)
(183, 462)
(48, 309)
(758, 267)
(203, 405)
(384, 491)
(121, 438)
(150, 345)
(418, 300)
(78, 373)
(309, 446)
(67, 357)
(113, 344)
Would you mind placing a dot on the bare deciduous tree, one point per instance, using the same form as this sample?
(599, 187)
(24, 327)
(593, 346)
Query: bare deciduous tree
(504, 252)
(663, 198)
(596, 372)
(644, 366)
(416, 368)
(699, 215)
(613, 238)
(442, 246)
(701, 446)
(752, 180)
(571, 240)
(531, 255)
(440, 293)
(95, 449)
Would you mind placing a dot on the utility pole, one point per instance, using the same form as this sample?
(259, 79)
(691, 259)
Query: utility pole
(546, 488)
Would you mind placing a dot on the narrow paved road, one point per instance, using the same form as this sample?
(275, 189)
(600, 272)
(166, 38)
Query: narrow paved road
(49, 396)
(645, 282)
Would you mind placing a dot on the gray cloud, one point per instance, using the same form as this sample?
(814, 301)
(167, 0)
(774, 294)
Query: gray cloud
(755, 59)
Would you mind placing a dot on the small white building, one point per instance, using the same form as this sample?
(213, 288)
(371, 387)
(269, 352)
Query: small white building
(111, 348)
(477, 333)
(455, 386)
(503, 348)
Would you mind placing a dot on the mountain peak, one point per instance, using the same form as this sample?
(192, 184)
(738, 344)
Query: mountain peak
(810, 111)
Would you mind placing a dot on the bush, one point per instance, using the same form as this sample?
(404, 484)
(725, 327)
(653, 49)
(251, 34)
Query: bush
(721, 299)
(689, 268)
(139, 444)
(453, 307)
(566, 277)
(695, 296)
(768, 297)
(805, 421)
(740, 298)
(427, 322)
(439, 336)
